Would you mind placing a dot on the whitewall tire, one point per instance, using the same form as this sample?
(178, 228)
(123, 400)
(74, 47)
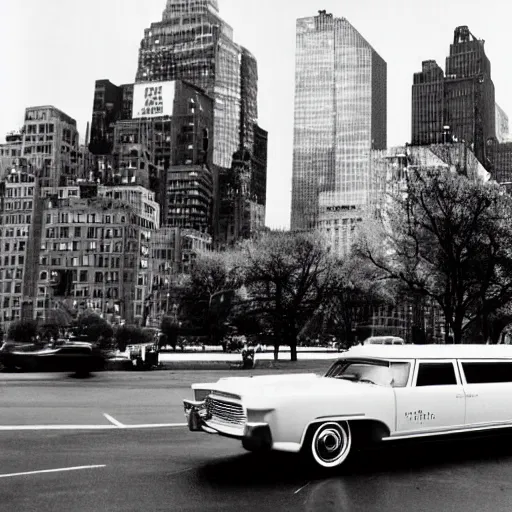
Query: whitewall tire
(331, 443)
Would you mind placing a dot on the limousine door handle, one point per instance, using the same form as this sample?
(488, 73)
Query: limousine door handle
(460, 396)
(471, 395)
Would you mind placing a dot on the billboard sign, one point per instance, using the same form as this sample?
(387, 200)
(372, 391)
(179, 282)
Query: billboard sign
(153, 99)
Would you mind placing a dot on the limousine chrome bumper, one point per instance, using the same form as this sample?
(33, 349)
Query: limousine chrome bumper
(254, 436)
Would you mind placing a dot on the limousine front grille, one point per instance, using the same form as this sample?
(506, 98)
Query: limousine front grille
(224, 412)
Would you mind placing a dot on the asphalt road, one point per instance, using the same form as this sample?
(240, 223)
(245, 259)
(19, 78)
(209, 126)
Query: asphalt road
(97, 464)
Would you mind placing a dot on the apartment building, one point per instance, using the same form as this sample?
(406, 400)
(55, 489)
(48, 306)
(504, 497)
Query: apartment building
(50, 145)
(17, 192)
(94, 252)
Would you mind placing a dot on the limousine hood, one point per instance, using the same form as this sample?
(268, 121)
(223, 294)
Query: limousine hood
(307, 384)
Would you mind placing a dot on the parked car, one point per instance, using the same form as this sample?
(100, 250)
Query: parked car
(143, 355)
(371, 394)
(77, 357)
(384, 340)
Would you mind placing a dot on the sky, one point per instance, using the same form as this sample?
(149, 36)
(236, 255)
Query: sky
(54, 50)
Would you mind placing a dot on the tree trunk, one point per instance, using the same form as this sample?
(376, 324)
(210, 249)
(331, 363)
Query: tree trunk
(293, 350)
(276, 350)
(486, 328)
(457, 330)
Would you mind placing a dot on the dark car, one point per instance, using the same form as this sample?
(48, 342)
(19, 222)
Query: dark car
(80, 358)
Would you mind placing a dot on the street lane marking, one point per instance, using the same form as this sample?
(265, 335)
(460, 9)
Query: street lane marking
(300, 489)
(181, 471)
(113, 420)
(11, 428)
(157, 425)
(59, 470)
(57, 427)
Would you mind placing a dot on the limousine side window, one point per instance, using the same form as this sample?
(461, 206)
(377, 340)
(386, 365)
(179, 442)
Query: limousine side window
(436, 374)
(487, 372)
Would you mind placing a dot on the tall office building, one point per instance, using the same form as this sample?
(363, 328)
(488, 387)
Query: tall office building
(194, 44)
(459, 104)
(112, 103)
(428, 105)
(340, 115)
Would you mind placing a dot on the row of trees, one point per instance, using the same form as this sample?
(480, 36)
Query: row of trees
(282, 286)
(447, 242)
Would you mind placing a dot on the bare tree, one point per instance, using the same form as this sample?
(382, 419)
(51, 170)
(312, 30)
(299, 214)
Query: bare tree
(286, 276)
(447, 238)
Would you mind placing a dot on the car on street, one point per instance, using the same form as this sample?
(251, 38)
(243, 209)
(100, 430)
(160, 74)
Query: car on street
(76, 357)
(372, 394)
(384, 340)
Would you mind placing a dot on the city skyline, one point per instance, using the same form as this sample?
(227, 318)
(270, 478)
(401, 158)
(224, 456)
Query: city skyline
(58, 66)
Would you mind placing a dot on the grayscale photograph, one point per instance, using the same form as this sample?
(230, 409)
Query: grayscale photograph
(255, 256)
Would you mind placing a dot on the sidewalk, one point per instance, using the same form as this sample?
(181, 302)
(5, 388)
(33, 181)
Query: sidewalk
(237, 357)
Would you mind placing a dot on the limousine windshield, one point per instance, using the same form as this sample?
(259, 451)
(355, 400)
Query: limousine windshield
(381, 373)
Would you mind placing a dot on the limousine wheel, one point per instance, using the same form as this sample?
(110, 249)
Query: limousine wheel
(331, 443)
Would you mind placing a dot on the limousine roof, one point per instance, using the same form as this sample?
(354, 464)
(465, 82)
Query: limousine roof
(431, 351)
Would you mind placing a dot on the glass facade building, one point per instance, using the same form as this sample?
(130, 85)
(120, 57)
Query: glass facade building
(340, 115)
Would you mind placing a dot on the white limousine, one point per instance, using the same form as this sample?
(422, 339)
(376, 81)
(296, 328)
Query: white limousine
(372, 393)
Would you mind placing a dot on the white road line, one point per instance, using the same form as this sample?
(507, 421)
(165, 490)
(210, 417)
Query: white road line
(13, 428)
(59, 470)
(180, 471)
(8, 428)
(113, 420)
(300, 489)
(158, 425)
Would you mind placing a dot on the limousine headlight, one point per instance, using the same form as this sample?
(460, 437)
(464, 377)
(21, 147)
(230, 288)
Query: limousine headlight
(201, 394)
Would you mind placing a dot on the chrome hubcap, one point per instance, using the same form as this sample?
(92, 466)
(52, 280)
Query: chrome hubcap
(330, 443)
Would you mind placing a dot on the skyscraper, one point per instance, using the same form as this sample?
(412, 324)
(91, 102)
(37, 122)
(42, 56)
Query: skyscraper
(428, 104)
(192, 43)
(340, 115)
(112, 103)
(461, 102)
